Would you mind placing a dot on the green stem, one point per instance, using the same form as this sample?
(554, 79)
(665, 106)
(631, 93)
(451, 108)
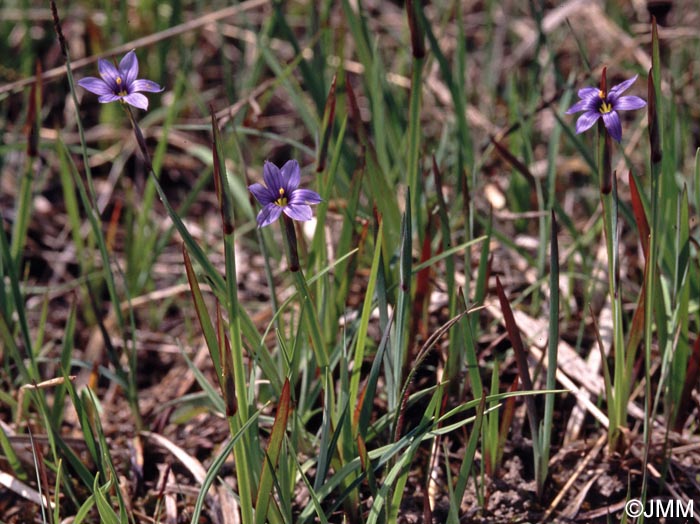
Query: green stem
(617, 406)
(309, 310)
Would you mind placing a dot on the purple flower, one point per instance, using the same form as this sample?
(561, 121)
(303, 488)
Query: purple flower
(596, 103)
(283, 194)
(120, 83)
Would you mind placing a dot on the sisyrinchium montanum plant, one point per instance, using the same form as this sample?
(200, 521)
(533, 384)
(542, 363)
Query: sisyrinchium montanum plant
(602, 105)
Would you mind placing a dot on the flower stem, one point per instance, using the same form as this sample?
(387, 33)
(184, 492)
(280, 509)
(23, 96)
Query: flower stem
(617, 411)
(292, 250)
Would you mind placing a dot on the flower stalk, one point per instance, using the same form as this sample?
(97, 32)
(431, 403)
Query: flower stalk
(291, 244)
(621, 378)
(600, 105)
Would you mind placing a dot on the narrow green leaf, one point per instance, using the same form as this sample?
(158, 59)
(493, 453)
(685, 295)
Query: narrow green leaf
(326, 127)
(226, 378)
(552, 350)
(57, 492)
(202, 313)
(692, 375)
(274, 449)
(10, 455)
(315, 502)
(107, 513)
(697, 178)
(372, 380)
(57, 410)
(328, 443)
(399, 347)
(364, 318)
(84, 510)
(466, 467)
(217, 464)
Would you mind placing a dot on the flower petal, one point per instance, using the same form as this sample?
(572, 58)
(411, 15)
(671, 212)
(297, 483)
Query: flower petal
(587, 104)
(613, 125)
(95, 85)
(589, 92)
(109, 97)
(620, 88)
(586, 121)
(145, 85)
(304, 196)
(300, 212)
(291, 175)
(137, 100)
(109, 73)
(628, 103)
(273, 178)
(268, 215)
(129, 67)
(262, 194)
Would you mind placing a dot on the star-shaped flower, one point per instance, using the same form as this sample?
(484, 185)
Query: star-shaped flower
(596, 103)
(283, 194)
(120, 83)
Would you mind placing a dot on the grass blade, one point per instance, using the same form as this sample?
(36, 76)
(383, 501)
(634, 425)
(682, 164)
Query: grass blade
(274, 449)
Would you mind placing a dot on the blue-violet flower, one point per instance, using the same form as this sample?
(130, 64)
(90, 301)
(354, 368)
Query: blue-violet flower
(283, 194)
(120, 83)
(596, 103)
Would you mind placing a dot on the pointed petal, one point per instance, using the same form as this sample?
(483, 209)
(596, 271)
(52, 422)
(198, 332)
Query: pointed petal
(613, 125)
(145, 85)
(268, 215)
(586, 121)
(587, 104)
(628, 103)
(95, 85)
(291, 175)
(304, 196)
(299, 212)
(109, 74)
(273, 177)
(109, 97)
(261, 193)
(620, 88)
(588, 92)
(137, 100)
(129, 67)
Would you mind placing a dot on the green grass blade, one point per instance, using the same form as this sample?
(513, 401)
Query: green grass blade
(11, 457)
(85, 510)
(104, 508)
(399, 346)
(364, 318)
(217, 464)
(57, 409)
(202, 313)
(372, 380)
(274, 449)
(696, 178)
(552, 350)
(467, 462)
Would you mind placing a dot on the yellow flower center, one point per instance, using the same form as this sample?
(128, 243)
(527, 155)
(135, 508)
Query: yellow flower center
(282, 200)
(121, 92)
(605, 107)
